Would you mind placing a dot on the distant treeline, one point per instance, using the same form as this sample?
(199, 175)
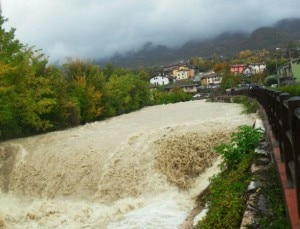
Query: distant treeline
(36, 97)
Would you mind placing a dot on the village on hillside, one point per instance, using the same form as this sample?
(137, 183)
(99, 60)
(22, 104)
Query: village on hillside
(190, 80)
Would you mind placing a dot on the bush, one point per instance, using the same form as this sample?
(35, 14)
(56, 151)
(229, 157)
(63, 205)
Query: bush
(226, 196)
(249, 105)
(242, 142)
(293, 90)
(162, 97)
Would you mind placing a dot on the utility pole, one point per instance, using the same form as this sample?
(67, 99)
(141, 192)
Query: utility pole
(277, 75)
(291, 66)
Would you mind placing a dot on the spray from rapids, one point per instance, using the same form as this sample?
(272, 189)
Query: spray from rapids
(112, 174)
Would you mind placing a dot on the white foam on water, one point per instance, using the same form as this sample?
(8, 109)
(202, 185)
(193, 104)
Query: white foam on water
(104, 174)
(162, 214)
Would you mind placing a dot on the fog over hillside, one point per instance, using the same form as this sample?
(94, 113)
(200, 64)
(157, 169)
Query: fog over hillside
(224, 45)
(97, 29)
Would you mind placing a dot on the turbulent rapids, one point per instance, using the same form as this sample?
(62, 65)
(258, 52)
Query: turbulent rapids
(139, 170)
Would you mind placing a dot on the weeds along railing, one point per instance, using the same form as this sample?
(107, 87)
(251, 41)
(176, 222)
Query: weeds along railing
(283, 112)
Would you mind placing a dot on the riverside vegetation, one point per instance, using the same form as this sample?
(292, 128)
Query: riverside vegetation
(226, 196)
(37, 97)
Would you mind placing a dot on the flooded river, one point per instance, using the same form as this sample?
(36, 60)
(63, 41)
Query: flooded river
(138, 170)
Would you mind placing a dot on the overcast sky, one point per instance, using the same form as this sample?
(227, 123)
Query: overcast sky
(99, 28)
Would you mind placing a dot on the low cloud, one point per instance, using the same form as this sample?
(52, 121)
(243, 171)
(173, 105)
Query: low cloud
(100, 28)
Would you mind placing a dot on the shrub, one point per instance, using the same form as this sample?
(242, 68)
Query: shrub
(242, 142)
(249, 105)
(226, 196)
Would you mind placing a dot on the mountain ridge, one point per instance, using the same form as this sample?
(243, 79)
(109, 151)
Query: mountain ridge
(223, 45)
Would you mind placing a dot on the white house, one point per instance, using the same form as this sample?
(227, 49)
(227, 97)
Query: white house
(253, 69)
(160, 80)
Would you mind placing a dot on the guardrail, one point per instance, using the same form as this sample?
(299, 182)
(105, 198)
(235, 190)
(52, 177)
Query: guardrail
(283, 112)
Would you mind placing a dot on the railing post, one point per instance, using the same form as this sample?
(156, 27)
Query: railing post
(282, 128)
(287, 143)
(294, 115)
(275, 105)
(267, 105)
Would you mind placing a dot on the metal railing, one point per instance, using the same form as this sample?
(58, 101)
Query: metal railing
(283, 112)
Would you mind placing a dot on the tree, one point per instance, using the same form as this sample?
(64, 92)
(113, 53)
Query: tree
(86, 85)
(10, 48)
(125, 93)
(259, 78)
(8, 116)
(34, 97)
(201, 65)
(230, 79)
(245, 54)
(27, 96)
(221, 67)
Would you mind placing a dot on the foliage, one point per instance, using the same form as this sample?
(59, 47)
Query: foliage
(221, 67)
(273, 64)
(230, 80)
(27, 96)
(36, 97)
(10, 48)
(271, 79)
(85, 88)
(293, 90)
(251, 56)
(226, 196)
(249, 105)
(242, 142)
(159, 96)
(259, 78)
(200, 64)
(125, 94)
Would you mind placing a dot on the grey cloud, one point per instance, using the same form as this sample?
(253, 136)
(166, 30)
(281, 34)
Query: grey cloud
(99, 28)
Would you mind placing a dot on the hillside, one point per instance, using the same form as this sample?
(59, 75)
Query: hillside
(225, 45)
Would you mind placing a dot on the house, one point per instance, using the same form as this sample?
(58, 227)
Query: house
(160, 80)
(179, 71)
(289, 72)
(182, 75)
(186, 87)
(253, 69)
(211, 78)
(197, 78)
(238, 68)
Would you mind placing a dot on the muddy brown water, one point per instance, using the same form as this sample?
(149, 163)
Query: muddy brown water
(106, 174)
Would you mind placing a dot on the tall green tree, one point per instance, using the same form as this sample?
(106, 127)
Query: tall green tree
(10, 48)
(27, 96)
(85, 87)
(126, 93)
